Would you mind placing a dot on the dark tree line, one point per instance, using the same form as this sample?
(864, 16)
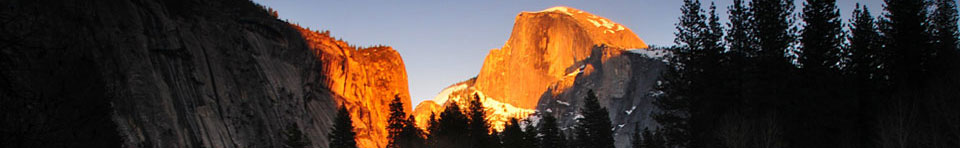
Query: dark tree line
(459, 127)
(889, 81)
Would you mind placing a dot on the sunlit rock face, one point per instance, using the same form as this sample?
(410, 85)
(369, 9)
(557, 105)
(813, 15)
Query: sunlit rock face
(546, 54)
(366, 78)
(541, 49)
(183, 73)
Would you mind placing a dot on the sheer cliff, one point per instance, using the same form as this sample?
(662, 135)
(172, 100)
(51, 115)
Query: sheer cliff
(550, 61)
(541, 49)
(181, 73)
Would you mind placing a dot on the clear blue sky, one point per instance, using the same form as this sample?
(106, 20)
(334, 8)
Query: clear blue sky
(445, 41)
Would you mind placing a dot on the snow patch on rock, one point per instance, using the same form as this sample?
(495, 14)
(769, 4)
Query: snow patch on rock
(564, 103)
(562, 9)
(631, 110)
(445, 93)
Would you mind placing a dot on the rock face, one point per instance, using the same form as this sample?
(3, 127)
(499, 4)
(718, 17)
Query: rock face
(541, 49)
(181, 73)
(622, 81)
(553, 57)
(367, 78)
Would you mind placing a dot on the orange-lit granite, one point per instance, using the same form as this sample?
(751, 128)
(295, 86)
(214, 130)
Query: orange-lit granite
(541, 49)
(541, 53)
(366, 78)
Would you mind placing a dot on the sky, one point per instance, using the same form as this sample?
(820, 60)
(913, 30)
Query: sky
(443, 42)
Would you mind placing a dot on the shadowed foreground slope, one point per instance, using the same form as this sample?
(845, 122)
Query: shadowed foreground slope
(179, 73)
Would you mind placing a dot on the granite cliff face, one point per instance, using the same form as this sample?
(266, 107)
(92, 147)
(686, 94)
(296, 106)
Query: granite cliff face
(622, 81)
(541, 50)
(367, 78)
(181, 73)
(553, 57)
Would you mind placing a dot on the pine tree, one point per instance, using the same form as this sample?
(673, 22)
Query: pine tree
(697, 55)
(552, 136)
(944, 25)
(690, 28)
(453, 127)
(912, 71)
(821, 37)
(342, 135)
(772, 23)
(740, 34)
(905, 29)
(945, 37)
(411, 136)
(594, 129)
(495, 139)
(864, 47)
(433, 128)
(713, 39)
(863, 62)
(479, 128)
(513, 135)
(395, 124)
(530, 138)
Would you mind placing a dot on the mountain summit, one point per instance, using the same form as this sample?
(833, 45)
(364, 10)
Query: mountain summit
(544, 49)
(541, 50)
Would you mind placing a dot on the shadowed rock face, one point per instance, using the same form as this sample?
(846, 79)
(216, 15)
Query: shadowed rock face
(621, 81)
(181, 73)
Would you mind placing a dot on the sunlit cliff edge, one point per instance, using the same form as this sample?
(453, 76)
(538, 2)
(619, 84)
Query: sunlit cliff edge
(366, 78)
(183, 73)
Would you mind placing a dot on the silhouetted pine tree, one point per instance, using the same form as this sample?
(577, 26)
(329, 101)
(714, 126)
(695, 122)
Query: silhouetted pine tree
(712, 40)
(672, 96)
(739, 35)
(551, 137)
(411, 136)
(433, 128)
(530, 138)
(594, 129)
(864, 46)
(513, 135)
(944, 26)
(821, 37)
(479, 128)
(342, 135)
(453, 130)
(675, 91)
(863, 64)
(945, 75)
(773, 32)
(914, 115)
(495, 139)
(945, 37)
(395, 123)
(772, 29)
(906, 35)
